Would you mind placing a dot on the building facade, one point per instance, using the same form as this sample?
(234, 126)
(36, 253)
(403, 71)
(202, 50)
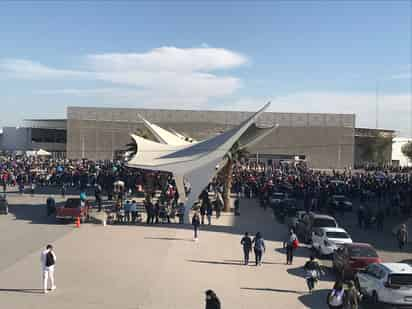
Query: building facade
(325, 140)
(35, 134)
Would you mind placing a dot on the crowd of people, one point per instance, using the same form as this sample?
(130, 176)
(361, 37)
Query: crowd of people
(381, 193)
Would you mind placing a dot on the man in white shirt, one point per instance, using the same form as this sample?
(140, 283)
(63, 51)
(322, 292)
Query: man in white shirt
(48, 262)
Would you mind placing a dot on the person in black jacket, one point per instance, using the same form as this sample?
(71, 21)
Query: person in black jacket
(212, 302)
(246, 242)
(195, 223)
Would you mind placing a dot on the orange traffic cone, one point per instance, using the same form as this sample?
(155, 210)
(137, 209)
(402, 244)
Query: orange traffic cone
(78, 222)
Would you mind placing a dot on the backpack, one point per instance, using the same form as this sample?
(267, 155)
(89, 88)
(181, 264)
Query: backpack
(49, 259)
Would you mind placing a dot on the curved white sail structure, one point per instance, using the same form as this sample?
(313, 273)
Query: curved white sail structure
(198, 162)
(164, 136)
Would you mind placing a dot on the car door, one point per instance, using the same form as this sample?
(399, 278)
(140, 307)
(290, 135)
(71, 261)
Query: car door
(373, 278)
(364, 279)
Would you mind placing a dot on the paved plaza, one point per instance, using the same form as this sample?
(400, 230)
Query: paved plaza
(150, 267)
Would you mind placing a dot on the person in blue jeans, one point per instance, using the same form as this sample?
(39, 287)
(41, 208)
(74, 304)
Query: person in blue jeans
(259, 248)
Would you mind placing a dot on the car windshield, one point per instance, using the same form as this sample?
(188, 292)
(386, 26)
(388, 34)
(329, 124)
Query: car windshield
(401, 279)
(324, 222)
(337, 235)
(362, 252)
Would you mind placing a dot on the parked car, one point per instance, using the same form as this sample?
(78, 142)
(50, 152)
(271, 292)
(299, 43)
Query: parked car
(277, 198)
(4, 206)
(387, 283)
(340, 202)
(351, 258)
(326, 240)
(312, 221)
(73, 208)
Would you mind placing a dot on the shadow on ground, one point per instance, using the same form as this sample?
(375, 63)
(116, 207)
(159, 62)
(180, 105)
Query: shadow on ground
(327, 276)
(215, 262)
(24, 291)
(169, 238)
(34, 213)
(316, 300)
(273, 290)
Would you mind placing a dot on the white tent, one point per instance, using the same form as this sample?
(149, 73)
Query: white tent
(42, 152)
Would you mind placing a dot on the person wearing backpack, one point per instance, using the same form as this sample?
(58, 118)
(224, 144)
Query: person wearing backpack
(336, 298)
(259, 248)
(48, 262)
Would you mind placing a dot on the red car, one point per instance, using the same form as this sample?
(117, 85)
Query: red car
(73, 209)
(351, 258)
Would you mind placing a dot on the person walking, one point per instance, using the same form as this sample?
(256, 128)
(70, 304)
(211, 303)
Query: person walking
(313, 271)
(48, 262)
(202, 213)
(209, 213)
(181, 213)
(195, 223)
(336, 298)
(212, 301)
(246, 242)
(352, 297)
(289, 244)
(259, 248)
(402, 236)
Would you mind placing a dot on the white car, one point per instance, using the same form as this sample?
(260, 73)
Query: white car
(387, 283)
(326, 240)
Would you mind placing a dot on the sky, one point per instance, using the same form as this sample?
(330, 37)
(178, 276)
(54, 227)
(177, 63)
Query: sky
(303, 56)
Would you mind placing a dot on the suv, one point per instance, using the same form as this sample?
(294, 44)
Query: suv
(388, 283)
(326, 240)
(310, 222)
(354, 257)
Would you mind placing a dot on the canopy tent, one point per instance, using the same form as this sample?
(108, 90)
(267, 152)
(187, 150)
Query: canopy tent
(42, 152)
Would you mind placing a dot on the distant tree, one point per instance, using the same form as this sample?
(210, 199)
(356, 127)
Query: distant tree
(407, 150)
(236, 153)
(376, 149)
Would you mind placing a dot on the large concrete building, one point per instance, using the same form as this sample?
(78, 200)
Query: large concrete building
(325, 140)
(35, 134)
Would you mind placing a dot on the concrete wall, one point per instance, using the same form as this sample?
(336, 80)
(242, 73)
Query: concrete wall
(327, 140)
(14, 139)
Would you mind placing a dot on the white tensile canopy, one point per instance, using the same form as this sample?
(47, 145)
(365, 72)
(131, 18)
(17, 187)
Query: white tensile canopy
(197, 162)
(42, 152)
